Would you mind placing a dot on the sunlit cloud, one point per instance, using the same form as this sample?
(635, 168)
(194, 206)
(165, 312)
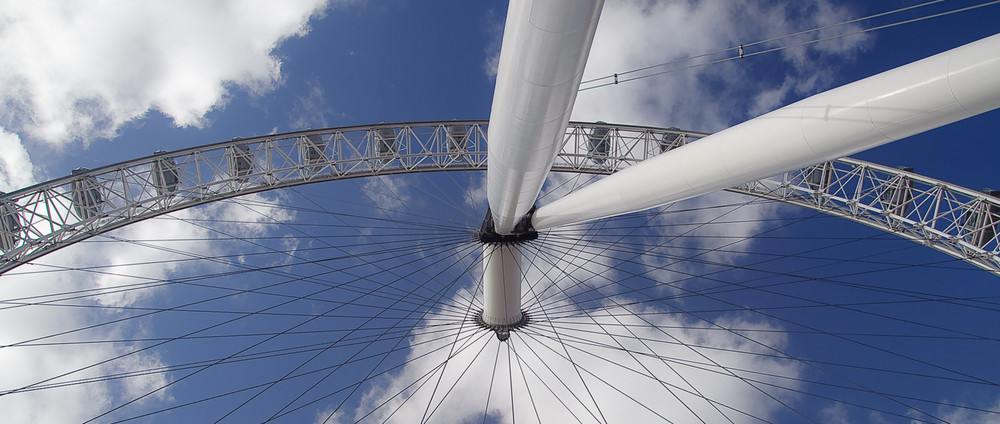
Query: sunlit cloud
(970, 414)
(391, 195)
(16, 169)
(620, 358)
(638, 33)
(717, 228)
(310, 109)
(153, 251)
(493, 27)
(86, 69)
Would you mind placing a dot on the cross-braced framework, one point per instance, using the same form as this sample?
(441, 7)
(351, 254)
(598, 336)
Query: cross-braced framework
(955, 220)
(39, 219)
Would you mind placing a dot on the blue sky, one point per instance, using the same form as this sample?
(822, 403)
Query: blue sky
(246, 71)
(367, 63)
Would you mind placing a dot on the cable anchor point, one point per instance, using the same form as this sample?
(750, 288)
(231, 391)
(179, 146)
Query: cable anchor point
(522, 232)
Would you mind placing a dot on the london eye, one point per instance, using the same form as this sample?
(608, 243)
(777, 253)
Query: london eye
(527, 267)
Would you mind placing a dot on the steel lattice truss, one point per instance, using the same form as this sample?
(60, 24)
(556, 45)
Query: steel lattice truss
(958, 221)
(39, 219)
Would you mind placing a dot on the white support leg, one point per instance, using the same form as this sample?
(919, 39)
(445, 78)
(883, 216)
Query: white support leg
(898, 103)
(545, 47)
(501, 284)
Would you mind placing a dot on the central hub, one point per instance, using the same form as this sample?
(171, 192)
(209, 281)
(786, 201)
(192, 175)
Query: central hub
(502, 274)
(502, 331)
(523, 231)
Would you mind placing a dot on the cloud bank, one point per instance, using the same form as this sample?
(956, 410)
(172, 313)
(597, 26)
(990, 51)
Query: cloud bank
(83, 70)
(112, 267)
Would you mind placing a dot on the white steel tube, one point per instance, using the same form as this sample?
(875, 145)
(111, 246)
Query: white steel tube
(898, 103)
(544, 50)
(501, 284)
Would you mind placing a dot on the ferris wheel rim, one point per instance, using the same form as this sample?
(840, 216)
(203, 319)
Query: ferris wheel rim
(562, 317)
(966, 228)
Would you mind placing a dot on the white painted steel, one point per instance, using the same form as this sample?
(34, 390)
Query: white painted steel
(901, 102)
(501, 284)
(38, 220)
(545, 47)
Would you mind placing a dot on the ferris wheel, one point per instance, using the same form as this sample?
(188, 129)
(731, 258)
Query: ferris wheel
(390, 297)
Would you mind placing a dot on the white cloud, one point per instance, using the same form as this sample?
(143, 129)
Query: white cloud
(310, 110)
(82, 70)
(329, 416)
(16, 169)
(710, 229)
(21, 366)
(557, 276)
(475, 194)
(247, 218)
(554, 389)
(638, 33)
(391, 195)
(493, 27)
(952, 414)
(835, 414)
(115, 266)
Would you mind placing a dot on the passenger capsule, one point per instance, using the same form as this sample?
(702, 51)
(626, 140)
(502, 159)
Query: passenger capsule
(165, 175)
(981, 223)
(385, 144)
(599, 143)
(240, 161)
(86, 195)
(10, 225)
(311, 148)
(818, 177)
(456, 140)
(898, 195)
(670, 140)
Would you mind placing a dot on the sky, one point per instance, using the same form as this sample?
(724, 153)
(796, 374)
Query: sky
(98, 82)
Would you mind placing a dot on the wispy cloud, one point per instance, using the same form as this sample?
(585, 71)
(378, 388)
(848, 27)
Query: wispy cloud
(639, 33)
(310, 110)
(983, 413)
(493, 27)
(16, 168)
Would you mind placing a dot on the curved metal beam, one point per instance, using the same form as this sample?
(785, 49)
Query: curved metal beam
(40, 219)
(47, 216)
(955, 220)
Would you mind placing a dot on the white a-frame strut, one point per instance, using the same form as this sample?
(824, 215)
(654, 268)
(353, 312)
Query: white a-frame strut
(544, 51)
(545, 47)
(895, 104)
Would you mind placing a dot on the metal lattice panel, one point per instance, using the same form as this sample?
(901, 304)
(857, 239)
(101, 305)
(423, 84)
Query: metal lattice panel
(47, 216)
(955, 220)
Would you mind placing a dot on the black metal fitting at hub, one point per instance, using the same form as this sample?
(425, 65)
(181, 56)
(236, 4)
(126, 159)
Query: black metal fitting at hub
(522, 232)
(502, 331)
